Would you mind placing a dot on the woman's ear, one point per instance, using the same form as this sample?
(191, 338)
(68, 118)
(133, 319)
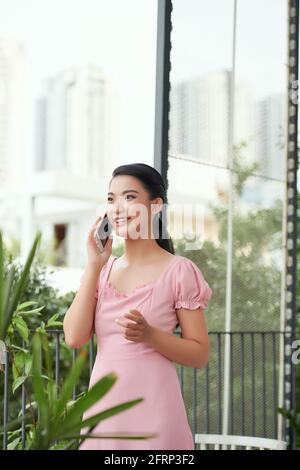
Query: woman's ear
(156, 205)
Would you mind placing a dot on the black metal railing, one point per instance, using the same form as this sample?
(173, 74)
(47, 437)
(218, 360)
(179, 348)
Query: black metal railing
(254, 380)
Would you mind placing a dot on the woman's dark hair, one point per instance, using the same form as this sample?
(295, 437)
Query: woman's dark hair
(153, 182)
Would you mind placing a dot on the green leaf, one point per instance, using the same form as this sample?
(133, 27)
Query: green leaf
(15, 372)
(31, 407)
(93, 420)
(54, 323)
(12, 296)
(45, 346)
(12, 445)
(19, 359)
(93, 395)
(6, 312)
(14, 346)
(28, 365)
(53, 318)
(26, 304)
(61, 445)
(21, 327)
(52, 391)
(19, 381)
(113, 436)
(67, 390)
(36, 311)
(38, 384)
(16, 423)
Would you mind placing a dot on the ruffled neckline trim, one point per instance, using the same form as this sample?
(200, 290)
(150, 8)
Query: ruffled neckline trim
(140, 286)
(122, 294)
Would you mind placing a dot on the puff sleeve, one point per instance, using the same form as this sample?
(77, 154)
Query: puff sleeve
(191, 289)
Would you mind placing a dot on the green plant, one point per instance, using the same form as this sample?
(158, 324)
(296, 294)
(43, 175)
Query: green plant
(14, 315)
(11, 289)
(59, 420)
(53, 417)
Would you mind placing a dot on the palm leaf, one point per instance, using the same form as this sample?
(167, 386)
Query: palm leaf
(38, 383)
(75, 427)
(113, 436)
(93, 395)
(67, 389)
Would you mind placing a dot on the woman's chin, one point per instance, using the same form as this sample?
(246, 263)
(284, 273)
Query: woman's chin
(127, 231)
(124, 232)
(121, 231)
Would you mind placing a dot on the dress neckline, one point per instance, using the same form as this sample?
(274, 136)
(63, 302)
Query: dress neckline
(139, 286)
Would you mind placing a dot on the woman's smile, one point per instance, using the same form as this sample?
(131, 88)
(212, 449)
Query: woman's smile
(122, 221)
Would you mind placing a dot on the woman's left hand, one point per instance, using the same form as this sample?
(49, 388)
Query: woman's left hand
(138, 330)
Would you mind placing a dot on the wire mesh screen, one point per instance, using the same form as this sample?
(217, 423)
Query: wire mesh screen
(253, 386)
(227, 147)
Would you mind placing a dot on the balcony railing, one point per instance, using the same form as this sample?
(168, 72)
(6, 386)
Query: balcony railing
(254, 383)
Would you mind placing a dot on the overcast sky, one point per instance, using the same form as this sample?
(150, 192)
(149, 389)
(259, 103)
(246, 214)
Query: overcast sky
(120, 36)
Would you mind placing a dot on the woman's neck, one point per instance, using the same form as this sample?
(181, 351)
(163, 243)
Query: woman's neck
(140, 251)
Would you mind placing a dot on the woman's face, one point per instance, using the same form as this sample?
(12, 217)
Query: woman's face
(129, 207)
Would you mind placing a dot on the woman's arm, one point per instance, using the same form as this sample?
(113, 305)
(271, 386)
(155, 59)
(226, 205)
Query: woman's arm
(192, 349)
(79, 319)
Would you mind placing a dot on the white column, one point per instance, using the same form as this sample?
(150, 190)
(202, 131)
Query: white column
(227, 385)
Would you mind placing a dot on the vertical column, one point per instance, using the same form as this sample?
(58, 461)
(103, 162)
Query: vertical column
(227, 389)
(162, 91)
(289, 402)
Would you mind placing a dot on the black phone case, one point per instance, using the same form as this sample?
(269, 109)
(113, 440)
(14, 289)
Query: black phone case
(103, 231)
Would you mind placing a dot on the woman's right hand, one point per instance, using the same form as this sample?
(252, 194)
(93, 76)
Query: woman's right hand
(95, 256)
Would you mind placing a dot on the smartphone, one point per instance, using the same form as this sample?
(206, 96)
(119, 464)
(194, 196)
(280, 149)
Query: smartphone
(103, 232)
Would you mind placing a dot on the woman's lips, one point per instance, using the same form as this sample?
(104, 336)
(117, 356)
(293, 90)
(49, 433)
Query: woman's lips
(122, 221)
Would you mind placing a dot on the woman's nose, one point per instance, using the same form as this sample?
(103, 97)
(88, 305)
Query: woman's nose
(120, 207)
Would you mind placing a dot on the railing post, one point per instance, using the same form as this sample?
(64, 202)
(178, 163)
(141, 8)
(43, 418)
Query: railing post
(289, 402)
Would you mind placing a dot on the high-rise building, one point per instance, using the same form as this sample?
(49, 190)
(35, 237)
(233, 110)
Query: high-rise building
(74, 123)
(200, 118)
(270, 135)
(12, 106)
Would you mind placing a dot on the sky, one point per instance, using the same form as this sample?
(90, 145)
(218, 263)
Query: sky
(120, 37)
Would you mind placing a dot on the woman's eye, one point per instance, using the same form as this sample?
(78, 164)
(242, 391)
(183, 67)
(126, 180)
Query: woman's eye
(109, 199)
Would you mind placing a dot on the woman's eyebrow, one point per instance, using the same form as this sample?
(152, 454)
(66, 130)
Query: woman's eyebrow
(124, 192)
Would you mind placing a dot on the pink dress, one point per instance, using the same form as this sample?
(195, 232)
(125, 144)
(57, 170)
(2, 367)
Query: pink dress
(141, 370)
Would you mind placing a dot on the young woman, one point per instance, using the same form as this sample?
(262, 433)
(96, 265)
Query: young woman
(133, 303)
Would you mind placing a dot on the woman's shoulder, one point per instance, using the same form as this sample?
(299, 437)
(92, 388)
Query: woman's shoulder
(106, 266)
(191, 288)
(109, 260)
(186, 272)
(182, 269)
(185, 262)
